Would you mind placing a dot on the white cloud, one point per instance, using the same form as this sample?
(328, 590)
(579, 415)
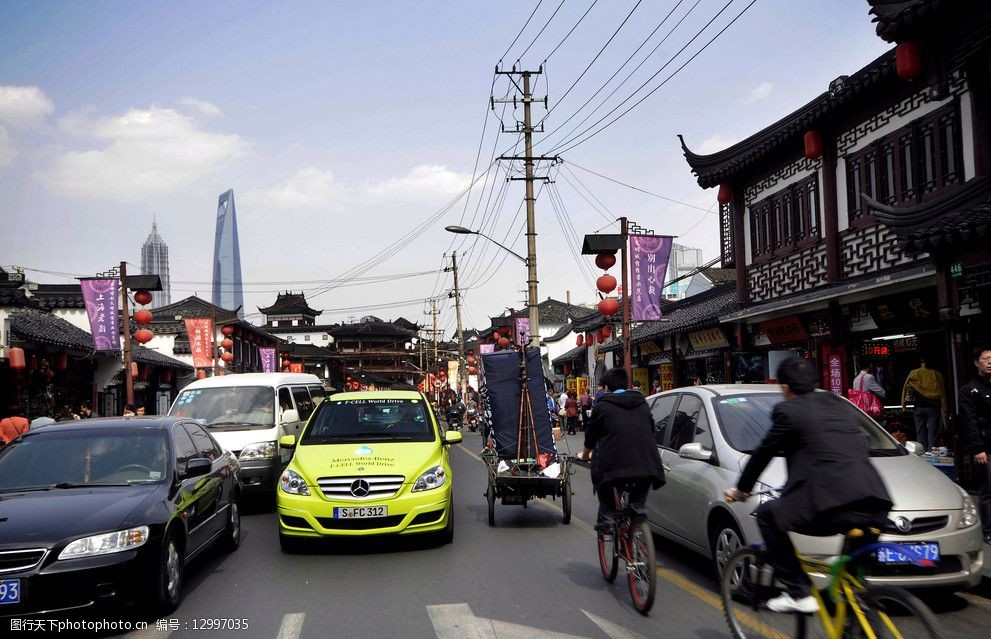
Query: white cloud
(24, 106)
(760, 92)
(7, 150)
(309, 188)
(204, 107)
(426, 183)
(146, 152)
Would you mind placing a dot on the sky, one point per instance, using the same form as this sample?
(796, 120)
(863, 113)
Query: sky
(352, 133)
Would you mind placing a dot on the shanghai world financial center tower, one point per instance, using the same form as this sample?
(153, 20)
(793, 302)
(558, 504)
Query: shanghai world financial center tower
(227, 288)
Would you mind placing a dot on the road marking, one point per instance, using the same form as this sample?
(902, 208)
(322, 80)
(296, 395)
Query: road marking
(457, 621)
(292, 625)
(614, 631)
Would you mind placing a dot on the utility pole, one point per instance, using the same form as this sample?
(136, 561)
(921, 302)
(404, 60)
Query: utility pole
(433, 312)
(624, 230)
(126, 317)
(528, 163)
(462, 371)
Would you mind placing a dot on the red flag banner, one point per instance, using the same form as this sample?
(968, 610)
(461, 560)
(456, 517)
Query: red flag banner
(296, 367)
(200, 341)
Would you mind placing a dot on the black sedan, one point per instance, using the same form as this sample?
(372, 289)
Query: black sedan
(108, 511)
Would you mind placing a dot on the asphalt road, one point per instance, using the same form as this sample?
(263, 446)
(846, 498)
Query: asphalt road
(529, 576)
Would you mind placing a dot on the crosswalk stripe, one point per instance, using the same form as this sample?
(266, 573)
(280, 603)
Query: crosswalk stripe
(457, 621)
(292, 625)
(613, 630)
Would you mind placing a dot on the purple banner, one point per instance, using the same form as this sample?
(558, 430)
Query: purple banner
(100, 296)
(522, 330)
(486, 348)
(648, 267)
(268, 359)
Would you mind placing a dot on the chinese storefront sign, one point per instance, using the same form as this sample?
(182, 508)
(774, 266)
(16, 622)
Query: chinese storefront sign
(835, 364)
(100, 297)
(268, 359)
(201, 341)
(708, 339)
(667, 376)
(582, 383)
(641, 375)
(918, 308)
(784, 330)
(648, 268)
(571, 385)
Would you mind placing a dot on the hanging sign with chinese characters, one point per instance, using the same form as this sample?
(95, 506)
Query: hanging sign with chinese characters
(201, 341)
(648, 268)
(708, 339)
(907, 310)
(100, 297)
(268, 359)
(522, 329)
(784, 330)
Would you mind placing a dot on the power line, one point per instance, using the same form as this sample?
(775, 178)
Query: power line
(523, 28)
(635, 188)
(532, 42)
(548, 56)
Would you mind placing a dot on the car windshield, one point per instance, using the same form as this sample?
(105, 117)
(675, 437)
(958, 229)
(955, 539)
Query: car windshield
(746, 418)
(228, 405)
(355, 420)
(55, 459)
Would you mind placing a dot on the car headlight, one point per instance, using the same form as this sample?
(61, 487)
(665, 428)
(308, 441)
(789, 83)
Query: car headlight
(968, 516)
(260, 450)
(106, 544)
(431, 478)
(292, 483)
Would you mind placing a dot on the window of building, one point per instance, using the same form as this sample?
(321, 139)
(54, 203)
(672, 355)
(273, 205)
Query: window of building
(306, 338)
(912, 164)
(786, 220)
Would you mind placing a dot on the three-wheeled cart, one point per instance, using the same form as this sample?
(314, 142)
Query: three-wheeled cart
(522, 462)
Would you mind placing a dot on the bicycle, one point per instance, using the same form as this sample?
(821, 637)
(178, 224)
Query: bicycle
(848, 607)
(631, 540)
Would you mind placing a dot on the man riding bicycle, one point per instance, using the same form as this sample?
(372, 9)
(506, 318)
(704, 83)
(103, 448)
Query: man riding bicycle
(832, 486)
(621, 434)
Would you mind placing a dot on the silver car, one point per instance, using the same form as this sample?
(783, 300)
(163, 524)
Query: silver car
(705, 435)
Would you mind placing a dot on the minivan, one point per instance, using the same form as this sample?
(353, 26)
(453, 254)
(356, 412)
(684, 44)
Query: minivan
(248, 413)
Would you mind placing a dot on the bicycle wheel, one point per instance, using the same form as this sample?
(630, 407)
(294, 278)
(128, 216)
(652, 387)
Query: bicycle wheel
(608, 555)
(747, 583)
(894, 613)
(641, 568)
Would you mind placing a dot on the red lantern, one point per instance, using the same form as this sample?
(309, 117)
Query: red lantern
(607, 330)
(227, 343)
(813, 145)
(725, 195)
(142, 297)
(471, 370)
(17, 359)
(33, 363)
(134, 369)
(606, 283)
(227, 330)
(167, 376)
(201, 374)
(227, 357)
(609, 306)
(143, 316)
(61, 361)
(143, 336)
(605, 261)
(580, 340)
(601, 336)
(471, 360)
(589, 338)
(504, 342)
(908, 62)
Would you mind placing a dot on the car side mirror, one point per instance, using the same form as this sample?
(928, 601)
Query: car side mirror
(290, 415)
(695, 451)
(287, 441)
(197, 467)
(452, 437)
(914, 447)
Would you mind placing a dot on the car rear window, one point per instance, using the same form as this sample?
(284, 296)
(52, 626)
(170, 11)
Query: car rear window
(369, 419)
(746, 418)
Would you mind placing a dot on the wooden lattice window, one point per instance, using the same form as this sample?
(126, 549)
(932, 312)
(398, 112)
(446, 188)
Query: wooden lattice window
(726, 235)
(785, 221)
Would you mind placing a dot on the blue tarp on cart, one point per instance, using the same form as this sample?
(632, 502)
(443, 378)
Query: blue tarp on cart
(502, 382)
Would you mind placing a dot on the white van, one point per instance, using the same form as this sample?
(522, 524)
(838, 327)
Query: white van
(247, 413)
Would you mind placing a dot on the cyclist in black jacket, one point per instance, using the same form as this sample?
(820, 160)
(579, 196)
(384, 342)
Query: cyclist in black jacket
(975, 413)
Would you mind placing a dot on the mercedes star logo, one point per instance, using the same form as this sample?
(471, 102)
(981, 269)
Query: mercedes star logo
(360, 488)
(903, 524)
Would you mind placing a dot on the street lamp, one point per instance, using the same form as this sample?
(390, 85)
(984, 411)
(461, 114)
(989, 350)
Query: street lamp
(532, 301)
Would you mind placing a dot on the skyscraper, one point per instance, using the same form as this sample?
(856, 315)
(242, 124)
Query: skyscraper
(155, 261)
(227, 288)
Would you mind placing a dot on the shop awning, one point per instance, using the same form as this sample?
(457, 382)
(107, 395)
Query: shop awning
(859, 290)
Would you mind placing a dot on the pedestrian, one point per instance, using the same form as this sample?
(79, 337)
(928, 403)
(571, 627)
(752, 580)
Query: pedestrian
(128, 411)
(571, 413)
(13, 425)
(65, 414)
(585, 404)
(657, 387)
(38, 422)
(551, 404)
(637, 387)
(924, 388)
(975, 413)
(600, 392)
(86, 410)
(696, 381)
(866, 393)
(139, 411)
(562, 399)
(865, 381)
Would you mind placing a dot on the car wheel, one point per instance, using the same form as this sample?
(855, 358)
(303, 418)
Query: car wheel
(232, 535)
(725, 540)
(167, 585)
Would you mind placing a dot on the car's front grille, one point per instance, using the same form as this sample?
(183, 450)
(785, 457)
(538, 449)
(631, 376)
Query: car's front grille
(360, 524)
(920, 525)
(18, 560)
(947, 564)
(361, 488)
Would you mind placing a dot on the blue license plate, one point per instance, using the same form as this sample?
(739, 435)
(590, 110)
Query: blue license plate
(10, 591)
(916, 553)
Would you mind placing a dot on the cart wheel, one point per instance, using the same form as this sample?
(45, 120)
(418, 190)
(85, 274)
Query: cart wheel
(490, 497)
(566, 501)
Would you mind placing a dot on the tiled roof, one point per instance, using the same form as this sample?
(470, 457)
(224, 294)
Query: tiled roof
(551, 311)
(289, 304)
(59, 296)
(960, 215)
(719, 275)
(307, 350)
(589, 321)
(561, 333)
(897, 17)
(384, 329)
(574, 353)
(786, 133)
(15, 296)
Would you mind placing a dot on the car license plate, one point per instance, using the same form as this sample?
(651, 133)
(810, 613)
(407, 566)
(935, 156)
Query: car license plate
(360, 512)
(893, 554)
(10, 591)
